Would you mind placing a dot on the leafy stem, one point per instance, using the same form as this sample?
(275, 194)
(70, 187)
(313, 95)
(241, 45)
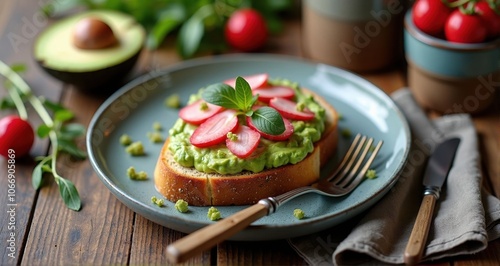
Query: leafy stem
(18, 102)
(61, 137)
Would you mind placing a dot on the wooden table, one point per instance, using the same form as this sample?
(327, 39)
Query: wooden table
(107, 232)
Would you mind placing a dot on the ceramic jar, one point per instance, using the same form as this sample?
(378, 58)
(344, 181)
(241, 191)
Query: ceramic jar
(451, 77)
(358, 35)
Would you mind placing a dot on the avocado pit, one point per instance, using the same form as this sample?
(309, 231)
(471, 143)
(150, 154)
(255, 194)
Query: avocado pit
(93, 33)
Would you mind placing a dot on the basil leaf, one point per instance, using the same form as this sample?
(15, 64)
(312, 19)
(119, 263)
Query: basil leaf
(244, 96)
(69, 194)
(220, 94)
(43, 131)
(268, 120)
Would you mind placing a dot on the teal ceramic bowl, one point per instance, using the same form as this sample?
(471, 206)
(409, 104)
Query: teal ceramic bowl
(451, 77)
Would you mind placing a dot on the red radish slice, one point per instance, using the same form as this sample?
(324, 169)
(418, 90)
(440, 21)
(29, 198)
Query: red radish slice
(196, 114)
(255, 81)
(267, 93)
(283, 136)
(288, 109)
(215, 129)
(245, 143)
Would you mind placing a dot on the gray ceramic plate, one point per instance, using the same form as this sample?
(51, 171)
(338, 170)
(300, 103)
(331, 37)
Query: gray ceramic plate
(134, 108)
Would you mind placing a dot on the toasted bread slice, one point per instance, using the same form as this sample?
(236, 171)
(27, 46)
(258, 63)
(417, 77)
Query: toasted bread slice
(176, 182)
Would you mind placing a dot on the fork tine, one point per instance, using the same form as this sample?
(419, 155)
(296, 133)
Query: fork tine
(358, 160)
(362, 173)
(345, 160)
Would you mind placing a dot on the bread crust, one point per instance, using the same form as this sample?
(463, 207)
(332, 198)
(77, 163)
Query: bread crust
(176, 182)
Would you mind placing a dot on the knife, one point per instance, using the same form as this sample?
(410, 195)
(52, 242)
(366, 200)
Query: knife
(437, 170)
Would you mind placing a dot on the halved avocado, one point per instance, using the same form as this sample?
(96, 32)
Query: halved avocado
(93, 69)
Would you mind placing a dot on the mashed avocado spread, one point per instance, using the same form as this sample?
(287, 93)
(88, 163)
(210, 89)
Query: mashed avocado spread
(269, 154)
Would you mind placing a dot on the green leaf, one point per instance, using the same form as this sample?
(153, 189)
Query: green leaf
(71, 131)
(190, 36)
(192, 31)
(71, 148)
(168, 20)
(63, 115)
(69, 194)
(55, 107)
(222, 95)
(268, 120)
(7, 103)
(244, 96)
(43, 131)
(56, 8)
(18, 68)
(40, 168)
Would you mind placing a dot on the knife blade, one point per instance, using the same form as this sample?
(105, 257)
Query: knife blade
(436, 172)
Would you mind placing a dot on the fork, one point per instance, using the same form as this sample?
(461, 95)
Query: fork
(342, 181)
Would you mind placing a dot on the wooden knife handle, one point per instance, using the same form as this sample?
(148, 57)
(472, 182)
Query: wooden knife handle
(209, 236)
(418, 238)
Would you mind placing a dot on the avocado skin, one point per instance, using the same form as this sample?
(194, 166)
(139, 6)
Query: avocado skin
(101, 81)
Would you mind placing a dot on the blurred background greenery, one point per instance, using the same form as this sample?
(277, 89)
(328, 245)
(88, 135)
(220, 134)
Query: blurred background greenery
(198, 25)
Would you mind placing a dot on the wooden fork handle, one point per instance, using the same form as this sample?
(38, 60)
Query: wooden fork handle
(418, 238)
(209, 236)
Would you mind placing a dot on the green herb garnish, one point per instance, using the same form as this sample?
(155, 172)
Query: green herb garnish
(62, 135)
(241, 99)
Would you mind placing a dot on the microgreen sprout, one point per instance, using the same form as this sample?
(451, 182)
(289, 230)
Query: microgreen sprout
(62, 136)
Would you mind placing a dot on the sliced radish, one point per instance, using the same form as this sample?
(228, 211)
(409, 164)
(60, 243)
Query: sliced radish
(283, 136)
(245, 142)
(288, 109)
(196, 114)
(267, 93)
(255, 81)
(214, 130)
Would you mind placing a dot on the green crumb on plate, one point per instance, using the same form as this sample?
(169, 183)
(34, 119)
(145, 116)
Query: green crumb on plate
(134, 175)
(213, 214)
(125, 140)
(346, 133)
(157, 126)
(371, 174)
(173, 101)
(135, 149)
(157, 201)
(182, 205)
(155, 137)
(371, 149)
(299, 214)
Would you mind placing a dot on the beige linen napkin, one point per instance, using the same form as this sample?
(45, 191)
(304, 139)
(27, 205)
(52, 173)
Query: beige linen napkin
(466, 216)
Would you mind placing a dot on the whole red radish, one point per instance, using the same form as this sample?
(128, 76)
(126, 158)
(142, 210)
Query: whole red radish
(17, 135)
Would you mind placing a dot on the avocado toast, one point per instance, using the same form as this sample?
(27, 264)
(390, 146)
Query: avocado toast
(221, 153)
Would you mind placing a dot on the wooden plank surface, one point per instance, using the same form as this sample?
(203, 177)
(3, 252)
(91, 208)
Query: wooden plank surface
(107, 232)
